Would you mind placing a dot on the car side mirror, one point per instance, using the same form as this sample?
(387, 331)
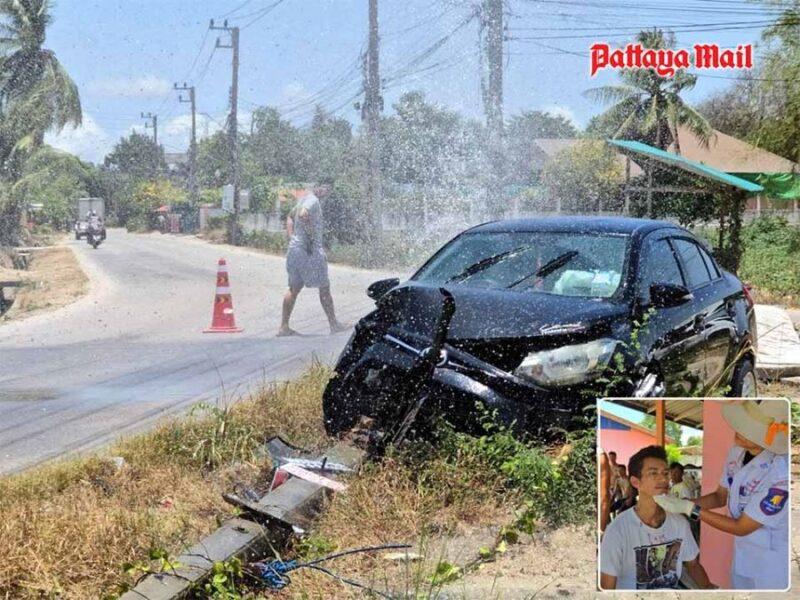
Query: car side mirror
(377, 290)
(668, 295)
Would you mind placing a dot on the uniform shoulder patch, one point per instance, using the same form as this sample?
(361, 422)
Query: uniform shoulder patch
(774, 501)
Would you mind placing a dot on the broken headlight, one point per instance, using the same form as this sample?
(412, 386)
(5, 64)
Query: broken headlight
(568, 364)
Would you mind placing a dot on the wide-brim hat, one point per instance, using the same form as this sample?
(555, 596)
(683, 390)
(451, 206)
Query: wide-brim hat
(763, 422)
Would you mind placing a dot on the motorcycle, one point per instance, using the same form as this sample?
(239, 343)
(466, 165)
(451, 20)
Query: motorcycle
(93, 237)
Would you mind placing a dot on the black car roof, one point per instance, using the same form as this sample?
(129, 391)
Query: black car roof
(576, 224)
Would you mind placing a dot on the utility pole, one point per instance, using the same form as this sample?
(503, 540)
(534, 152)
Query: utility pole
(152, 121)
(193, 141)
(371, 114)
(492, 87)
(233, 125)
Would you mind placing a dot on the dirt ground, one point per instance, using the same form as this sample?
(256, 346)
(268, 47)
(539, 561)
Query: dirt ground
(563, 564)
(53, 280)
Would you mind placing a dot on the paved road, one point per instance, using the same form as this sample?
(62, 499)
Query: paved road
(133, 349)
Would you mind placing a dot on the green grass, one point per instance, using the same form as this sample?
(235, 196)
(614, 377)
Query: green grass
(771, 259)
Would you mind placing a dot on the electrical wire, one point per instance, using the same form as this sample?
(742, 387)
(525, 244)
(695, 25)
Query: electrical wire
(237, 9)
(261, 14)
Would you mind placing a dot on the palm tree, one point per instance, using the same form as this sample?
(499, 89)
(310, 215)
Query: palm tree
(36, 96)
(36, 93)
(649, 107)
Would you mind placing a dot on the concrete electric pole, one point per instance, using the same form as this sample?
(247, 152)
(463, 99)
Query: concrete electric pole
(193, 141)
(152, 121)
(492, 84)
(233, 124)
(371, 115)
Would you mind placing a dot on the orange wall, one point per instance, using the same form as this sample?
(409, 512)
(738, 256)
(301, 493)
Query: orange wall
(716, 548)
(624, 443)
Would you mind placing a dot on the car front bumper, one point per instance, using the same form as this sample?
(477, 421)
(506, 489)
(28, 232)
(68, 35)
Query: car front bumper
(463, 389)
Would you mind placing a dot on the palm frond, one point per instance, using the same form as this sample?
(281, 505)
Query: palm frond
(696, 123)
(611, 93)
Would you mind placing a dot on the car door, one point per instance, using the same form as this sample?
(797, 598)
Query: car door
(673, 337)
(715, 309)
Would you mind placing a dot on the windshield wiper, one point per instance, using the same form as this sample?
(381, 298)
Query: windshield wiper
(549, 267)
(484, 264)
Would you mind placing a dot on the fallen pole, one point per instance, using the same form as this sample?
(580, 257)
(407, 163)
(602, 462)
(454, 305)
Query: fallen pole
(265, 527)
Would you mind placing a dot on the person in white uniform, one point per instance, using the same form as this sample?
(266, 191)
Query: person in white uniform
(755, 488)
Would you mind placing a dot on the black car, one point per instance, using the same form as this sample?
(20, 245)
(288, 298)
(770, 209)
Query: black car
(548, 314)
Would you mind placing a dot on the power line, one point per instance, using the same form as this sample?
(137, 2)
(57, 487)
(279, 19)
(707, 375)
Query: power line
(260, 14)
(237, 9)
(628, 34)
(638, 28)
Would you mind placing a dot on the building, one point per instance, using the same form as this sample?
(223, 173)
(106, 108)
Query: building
(624, 437)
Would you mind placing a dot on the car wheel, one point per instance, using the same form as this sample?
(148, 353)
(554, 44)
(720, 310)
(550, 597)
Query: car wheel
(744, 383)
(338, 407)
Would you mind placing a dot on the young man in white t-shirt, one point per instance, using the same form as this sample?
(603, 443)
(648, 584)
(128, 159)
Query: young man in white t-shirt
(646, 548)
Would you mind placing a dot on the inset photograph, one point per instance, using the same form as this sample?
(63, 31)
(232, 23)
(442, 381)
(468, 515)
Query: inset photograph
(694, 494)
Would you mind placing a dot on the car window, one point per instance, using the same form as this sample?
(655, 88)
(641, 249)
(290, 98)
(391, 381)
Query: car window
(576, 264)
(659, 265)
(696, 271)
(710, 265)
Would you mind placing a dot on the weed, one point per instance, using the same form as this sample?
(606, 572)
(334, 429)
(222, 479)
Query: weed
(226, 577)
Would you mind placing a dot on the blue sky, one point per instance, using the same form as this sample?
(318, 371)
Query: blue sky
(125, 55)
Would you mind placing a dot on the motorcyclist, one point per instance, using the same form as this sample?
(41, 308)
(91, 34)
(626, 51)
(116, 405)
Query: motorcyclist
(94, 226)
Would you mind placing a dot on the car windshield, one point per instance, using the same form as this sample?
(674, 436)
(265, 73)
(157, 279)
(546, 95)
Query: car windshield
(562, 263)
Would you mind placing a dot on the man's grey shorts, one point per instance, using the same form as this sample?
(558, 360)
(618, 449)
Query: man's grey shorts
(307, 270)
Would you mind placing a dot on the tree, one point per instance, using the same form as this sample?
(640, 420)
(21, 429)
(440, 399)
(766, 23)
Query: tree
(740, 109)
(522, 129)
(149, 195)
(584, 177)
(694, 440)
(56, 180)
(648, 107)
(763, 107)
(36, 93)
(274, 149)
(672, 429)
(327, 148)
(138, 156)
(213, 161)
(426, 144)
(782, 78)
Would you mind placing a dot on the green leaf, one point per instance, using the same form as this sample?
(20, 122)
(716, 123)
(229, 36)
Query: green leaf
(445, 573)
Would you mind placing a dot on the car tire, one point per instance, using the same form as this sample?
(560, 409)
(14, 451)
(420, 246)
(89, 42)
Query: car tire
(744, 382)
(338, 407)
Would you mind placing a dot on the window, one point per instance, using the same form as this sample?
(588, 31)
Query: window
(659, 265)
(696, 271)
(573, 264)
(713, 271)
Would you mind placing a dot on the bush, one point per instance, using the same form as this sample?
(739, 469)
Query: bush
(395, 250)
(216, 222)
(137, 224)
(557, 490)
(771, 259)
(273, 242)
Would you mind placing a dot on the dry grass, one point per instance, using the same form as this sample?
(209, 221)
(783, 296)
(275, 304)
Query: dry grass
(67, 528)
(53, 279)
(391, 503)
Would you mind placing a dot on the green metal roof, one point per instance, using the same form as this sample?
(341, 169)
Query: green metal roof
(675, 160)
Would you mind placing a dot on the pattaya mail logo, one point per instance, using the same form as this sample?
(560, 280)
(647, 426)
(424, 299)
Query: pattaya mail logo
(667, 61)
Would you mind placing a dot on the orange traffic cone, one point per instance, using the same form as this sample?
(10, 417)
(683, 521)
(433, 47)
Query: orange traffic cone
(222, 320)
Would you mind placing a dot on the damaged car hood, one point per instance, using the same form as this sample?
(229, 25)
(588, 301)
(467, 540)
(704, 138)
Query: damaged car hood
(497, 314)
